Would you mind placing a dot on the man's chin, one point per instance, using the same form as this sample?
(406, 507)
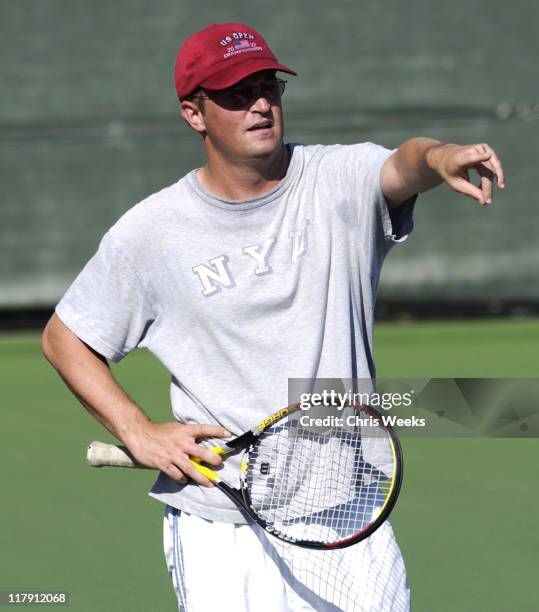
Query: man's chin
(265, 150)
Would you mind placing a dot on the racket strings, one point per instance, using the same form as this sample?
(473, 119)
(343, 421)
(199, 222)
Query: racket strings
(367, 576)
(315, 486)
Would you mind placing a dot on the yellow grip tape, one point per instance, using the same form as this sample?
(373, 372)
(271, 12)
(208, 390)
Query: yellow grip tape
(206, 471)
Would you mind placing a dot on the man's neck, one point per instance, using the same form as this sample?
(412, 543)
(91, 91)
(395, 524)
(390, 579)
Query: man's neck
(244, 180)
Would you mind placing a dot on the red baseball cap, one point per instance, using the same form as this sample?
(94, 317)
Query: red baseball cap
(220, 55)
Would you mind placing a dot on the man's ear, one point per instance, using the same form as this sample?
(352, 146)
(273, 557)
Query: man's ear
(193, 115)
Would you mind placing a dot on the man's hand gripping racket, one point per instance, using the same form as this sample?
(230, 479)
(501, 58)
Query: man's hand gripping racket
(309, 484)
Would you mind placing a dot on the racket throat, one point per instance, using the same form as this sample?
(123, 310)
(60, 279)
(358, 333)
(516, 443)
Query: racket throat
(241, 442)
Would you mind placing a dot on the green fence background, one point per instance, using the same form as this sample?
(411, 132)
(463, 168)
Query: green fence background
(89, 124)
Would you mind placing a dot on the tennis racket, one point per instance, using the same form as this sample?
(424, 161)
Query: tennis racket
(316, 482)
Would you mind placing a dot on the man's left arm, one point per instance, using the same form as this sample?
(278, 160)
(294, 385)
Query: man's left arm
(420, 164)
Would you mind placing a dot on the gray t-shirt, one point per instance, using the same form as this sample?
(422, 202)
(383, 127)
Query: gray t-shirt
(235, 298)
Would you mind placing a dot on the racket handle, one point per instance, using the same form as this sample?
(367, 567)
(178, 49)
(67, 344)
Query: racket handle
(100, 454)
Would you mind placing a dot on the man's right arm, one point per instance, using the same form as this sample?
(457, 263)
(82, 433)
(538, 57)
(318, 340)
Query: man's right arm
(163, 446)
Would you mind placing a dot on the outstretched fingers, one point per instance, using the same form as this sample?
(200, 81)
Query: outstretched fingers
(483, 159)
(462, 184)
(486, 183)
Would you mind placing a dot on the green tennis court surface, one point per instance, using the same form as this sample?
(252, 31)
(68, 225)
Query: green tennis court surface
(465, 519)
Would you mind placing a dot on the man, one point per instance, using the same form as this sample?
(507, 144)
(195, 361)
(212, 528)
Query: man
(261, 266)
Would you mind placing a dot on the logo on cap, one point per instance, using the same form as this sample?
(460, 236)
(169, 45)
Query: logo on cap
(221, 55)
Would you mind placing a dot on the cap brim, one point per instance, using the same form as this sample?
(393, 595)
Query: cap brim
(232, 74)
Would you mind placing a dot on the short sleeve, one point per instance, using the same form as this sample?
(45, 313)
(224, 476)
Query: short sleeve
(385, 226)
(378, 228)
(107, 306)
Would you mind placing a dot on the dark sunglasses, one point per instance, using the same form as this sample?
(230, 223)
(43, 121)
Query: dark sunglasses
(240, 96)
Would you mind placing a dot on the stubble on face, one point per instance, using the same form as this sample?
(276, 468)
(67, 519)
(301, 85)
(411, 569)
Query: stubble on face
(253, 134)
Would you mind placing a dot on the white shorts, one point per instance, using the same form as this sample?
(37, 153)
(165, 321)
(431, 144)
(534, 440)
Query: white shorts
(241, 568)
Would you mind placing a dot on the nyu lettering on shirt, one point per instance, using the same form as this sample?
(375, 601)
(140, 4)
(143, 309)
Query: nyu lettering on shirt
(235, 298)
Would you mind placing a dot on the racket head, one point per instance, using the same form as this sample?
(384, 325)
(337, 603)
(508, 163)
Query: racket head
(322, 486)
